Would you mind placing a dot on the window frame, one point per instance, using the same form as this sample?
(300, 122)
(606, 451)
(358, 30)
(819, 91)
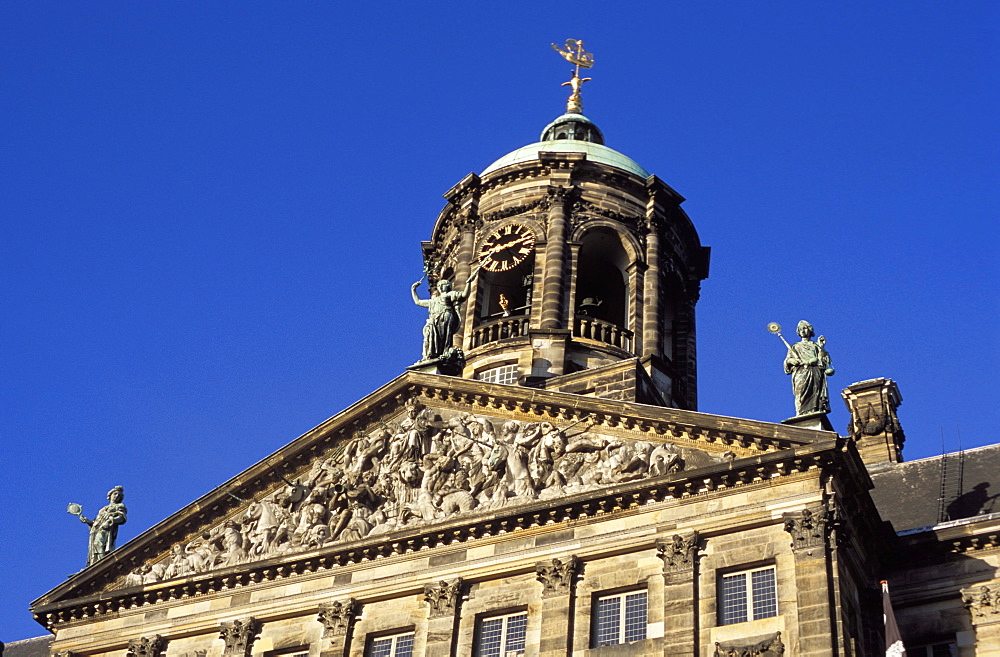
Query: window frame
(927, 649)
(289, 652)
(394, 635)
(623, 614)
(750, 597)
(495, 369)
(504, 616)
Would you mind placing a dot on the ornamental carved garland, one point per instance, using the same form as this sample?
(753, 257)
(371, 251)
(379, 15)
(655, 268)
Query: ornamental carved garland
(425, 466)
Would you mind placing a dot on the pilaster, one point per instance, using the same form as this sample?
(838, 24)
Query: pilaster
(680, 593)
(555, 260)
(338, 622)
(443, 601)
(983, 603)
(557, 577)
(809, 530)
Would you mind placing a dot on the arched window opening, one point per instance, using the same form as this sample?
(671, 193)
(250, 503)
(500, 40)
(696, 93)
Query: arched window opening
(601, 284)
(670, 294)
(505, 293)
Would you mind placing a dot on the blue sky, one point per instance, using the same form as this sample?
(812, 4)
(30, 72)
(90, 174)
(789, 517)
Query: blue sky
(212, 215)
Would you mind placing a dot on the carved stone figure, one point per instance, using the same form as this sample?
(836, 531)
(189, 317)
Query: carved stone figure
(239, 636)
(424, 466)
(443, 597)
(104, 527)
(147, 646)
(556, 575)
(809, 364)
(767, 647)
(442, 315)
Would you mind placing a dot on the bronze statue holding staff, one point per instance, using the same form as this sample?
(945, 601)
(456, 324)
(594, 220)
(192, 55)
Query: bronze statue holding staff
(809, 364)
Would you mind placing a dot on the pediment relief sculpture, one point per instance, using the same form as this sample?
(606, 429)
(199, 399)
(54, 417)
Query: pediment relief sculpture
(422, 466)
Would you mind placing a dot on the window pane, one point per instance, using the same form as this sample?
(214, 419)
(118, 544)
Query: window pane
(635, 617)
(734, 599)
(943, 650)
(516, 630)
(382, 648)
(765, 597)
(404, 645)
(490, 635)
(608, 621)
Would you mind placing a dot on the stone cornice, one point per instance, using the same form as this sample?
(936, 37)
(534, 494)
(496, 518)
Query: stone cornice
(750, 471)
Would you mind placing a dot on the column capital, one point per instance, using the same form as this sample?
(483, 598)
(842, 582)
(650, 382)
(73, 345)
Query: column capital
(557, 575)
(337, 617)
(147, 646)
(443, 597)
(239, 636)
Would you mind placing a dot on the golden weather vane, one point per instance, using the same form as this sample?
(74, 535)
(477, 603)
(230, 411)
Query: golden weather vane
(575, 54)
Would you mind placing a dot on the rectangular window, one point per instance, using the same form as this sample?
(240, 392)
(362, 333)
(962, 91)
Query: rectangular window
(503, 374)
(945, 649)
(620, 618)
(502, 636)
(300, 651)
(397, 645)
(746, 596)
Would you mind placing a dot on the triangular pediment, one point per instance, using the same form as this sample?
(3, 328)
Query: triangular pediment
(422, 452)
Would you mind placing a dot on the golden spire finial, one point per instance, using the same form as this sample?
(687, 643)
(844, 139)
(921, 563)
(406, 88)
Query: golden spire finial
(575, 54)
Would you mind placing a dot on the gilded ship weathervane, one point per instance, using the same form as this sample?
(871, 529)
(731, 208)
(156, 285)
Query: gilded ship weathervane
(575, 54)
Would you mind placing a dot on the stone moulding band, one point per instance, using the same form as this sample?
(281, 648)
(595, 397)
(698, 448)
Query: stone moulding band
(614, 499)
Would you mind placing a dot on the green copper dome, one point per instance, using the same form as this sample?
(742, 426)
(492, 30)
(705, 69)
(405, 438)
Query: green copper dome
(594, 152)
(570, 133)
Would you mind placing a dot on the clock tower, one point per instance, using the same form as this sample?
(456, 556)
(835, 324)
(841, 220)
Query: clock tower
(586, 270)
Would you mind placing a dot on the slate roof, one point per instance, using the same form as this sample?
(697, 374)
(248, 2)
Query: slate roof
(37, 647)
(909, 494)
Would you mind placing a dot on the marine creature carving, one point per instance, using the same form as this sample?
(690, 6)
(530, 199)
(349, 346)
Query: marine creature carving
(425, 466)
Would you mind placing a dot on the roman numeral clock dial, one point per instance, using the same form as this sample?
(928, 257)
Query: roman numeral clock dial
(506, 248)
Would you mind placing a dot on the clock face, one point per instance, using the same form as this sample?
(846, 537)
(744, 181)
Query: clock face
(506, 247)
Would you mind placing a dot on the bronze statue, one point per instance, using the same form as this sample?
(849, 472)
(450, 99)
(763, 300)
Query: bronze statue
(442, 316)
(809, 364)
(104, 527)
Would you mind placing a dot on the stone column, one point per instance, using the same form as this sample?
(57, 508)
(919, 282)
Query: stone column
(338, 621)
(680, 593)
(239, 636)
(147, 646)
(463, 267)
(555, 260)
(557, 577)
(650, 338)
(443, 600)
(809, 530)
(983, 603)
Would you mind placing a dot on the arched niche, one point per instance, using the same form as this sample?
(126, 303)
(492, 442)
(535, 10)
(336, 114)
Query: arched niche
(602, 281)
(671, 294)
